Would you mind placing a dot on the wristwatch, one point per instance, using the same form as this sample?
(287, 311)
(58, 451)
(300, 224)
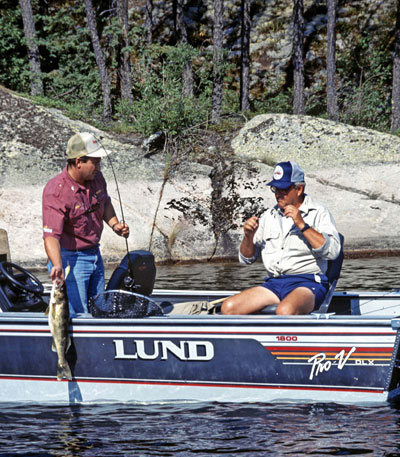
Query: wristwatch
(306, 227)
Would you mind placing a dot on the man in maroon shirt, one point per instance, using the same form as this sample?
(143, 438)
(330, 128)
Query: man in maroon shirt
(75, 204)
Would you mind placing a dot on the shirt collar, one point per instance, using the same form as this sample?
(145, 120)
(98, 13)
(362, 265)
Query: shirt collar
(75, 186)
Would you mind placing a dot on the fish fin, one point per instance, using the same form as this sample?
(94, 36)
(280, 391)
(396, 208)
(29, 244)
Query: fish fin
(46, 313)
(53, 347)
(68, 344)
(66, 271)
(64, 372)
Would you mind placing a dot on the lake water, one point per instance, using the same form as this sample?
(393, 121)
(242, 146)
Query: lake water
(212, 429)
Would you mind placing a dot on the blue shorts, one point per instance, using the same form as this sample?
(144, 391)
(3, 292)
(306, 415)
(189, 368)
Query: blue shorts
(283, 285)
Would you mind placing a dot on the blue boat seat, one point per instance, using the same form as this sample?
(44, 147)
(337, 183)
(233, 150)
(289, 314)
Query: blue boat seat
(332, 273)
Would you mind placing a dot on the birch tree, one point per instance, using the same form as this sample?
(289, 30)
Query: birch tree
(245, 57)
(395, 127)
(33, 48)
(187, 74)
(298, 57)
(332, 106)
(149, 21)
(218, 75)
(101, 64)
(125, 67)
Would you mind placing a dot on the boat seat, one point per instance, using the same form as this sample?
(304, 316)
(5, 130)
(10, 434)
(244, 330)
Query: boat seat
(332, 273)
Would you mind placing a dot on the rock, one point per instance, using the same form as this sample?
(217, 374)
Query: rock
(183, 210)
(352, 170)
(315, 142)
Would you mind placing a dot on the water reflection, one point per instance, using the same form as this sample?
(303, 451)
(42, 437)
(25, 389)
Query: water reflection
(362, 274)
(382, 273)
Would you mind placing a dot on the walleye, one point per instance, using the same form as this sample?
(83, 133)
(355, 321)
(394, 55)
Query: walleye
(59, 322)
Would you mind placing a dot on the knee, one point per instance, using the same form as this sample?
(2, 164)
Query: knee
(286, 309)
(228, 307)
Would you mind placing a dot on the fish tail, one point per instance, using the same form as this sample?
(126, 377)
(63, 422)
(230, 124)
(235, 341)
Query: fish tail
(64, 372)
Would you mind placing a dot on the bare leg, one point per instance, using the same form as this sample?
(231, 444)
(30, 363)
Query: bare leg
(299, 301)
(249, 301)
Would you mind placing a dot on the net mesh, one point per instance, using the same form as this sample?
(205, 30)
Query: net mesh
(123, 304)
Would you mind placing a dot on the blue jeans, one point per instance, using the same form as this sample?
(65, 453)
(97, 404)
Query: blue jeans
(85, 278)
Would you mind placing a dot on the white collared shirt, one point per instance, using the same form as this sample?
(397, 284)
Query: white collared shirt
(285, 250)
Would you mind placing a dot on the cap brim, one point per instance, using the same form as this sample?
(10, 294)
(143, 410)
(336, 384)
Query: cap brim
(99, 154)
(280, 184)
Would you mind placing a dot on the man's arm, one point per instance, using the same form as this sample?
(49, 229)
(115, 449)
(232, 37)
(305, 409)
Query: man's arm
(111, 219)
(53, 251)
(247, 248)
(315, 238)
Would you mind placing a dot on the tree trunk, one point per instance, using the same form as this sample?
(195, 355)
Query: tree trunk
(218, 75)
(245, 57)
(298, 57)
(33, 49)
(396, 76)
(149, 21)
(187, 74)
(105, 80)
(333, 112)
(125, 69)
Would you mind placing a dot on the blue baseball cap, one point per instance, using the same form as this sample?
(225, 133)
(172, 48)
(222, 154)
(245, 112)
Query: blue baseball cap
(286, 174)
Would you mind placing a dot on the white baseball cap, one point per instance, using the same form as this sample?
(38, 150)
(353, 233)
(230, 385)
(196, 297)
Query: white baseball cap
(84, 144)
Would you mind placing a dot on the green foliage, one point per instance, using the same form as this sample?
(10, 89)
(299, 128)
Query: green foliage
(73, 75)
(159, 103)
(280, 102)
(13, 62)
(365, 92)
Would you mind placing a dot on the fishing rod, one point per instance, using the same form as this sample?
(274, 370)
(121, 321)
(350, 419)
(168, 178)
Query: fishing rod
(130, 266)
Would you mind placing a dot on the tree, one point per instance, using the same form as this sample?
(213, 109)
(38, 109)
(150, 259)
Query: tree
(245, 57)
(298, 57)
(125, 67)
(149, 21)
(218, 74)
(180, 28)
(105, 80)
(396, 76)
(331, 93)
(33, 49)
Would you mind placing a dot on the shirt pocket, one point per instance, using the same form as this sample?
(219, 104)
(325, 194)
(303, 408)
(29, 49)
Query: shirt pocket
(78, 218)
(271, 239)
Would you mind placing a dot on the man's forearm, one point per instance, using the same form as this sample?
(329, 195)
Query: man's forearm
(247, 248)
(53, 250)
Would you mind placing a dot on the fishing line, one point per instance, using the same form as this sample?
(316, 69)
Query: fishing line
(119, 199)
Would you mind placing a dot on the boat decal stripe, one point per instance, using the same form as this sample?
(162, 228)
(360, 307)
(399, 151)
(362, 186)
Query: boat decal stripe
(202, 384)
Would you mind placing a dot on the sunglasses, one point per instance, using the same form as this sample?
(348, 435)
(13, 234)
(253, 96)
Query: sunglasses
(276, 190)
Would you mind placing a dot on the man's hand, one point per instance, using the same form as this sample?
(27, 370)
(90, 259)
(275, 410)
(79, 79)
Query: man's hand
(250, 227)
(57, 274)
(121, 229)
(294, 213)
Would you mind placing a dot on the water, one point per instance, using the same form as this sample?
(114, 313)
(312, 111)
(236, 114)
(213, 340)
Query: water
(212, 429)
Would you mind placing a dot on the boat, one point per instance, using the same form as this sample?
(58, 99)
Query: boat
(145, 345)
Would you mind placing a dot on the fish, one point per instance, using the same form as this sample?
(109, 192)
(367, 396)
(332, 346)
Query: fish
(58, 312)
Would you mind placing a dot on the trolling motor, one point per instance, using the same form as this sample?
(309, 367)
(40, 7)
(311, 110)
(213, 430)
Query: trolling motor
(127, 292)
(135, 273)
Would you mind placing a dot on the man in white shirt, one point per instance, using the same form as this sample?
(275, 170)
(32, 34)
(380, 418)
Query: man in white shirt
(295, 238)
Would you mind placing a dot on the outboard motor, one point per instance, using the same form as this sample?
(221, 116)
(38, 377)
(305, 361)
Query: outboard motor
(140, 265)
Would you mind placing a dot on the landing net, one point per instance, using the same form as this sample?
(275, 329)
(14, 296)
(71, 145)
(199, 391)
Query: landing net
(123, 304)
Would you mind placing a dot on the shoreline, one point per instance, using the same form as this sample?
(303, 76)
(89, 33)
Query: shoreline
(350, 254)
